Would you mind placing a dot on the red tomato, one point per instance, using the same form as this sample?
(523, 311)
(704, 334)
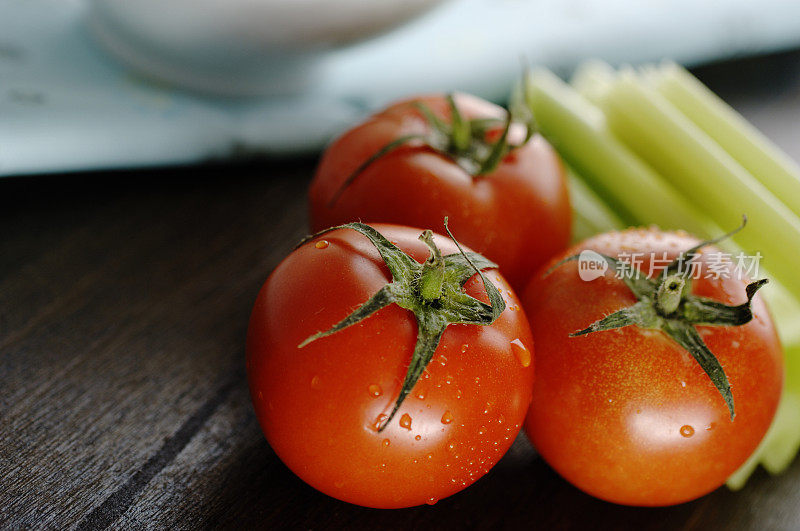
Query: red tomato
(517, 215)
(319, 406)
(627, 415)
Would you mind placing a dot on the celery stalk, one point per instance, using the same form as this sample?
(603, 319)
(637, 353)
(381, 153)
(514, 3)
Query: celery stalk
(592, 79)
(745, 143)
(595, 79)
(578, 130)
(779, 446)
(705, 173)
(590, 215)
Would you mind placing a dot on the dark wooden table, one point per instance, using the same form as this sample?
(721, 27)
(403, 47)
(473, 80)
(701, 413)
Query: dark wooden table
(124, 299)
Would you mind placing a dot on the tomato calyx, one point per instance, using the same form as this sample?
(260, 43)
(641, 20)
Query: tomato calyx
(667, 304)
(465, 142)
(432, 291)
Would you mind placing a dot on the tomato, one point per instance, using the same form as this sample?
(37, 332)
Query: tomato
(518, 214)
(627, 415)
(321, 406)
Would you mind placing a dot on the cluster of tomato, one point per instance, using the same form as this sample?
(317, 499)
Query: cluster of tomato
(388, 372)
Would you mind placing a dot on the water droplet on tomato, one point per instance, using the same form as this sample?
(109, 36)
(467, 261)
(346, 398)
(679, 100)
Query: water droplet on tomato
(375, 390)
(458, 393)
(501, 419)
(405, 421)
(421, 393)
(447, 418)
(521, 352)
(481, 430)
(322, 244)
(386, 442)
(432, 501)
(378, 422)
(418, 437)
(687, 431)
(429, 456)
(464, 348)
(316, 383)
(448, 380)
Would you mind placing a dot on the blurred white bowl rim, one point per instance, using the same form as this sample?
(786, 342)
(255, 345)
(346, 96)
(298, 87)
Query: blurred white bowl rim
(241, 47)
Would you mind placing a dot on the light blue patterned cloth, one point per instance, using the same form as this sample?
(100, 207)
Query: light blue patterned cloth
(66, 105)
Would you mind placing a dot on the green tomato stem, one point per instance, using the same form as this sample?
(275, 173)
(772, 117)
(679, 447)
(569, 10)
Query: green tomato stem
(432, 277)
(670, 293)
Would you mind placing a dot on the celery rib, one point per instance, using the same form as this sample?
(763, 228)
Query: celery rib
(577, 129)
(590, 215)
(754, 151)
(704, 173)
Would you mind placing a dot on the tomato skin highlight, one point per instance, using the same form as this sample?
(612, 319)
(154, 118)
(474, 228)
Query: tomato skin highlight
(518, 215)
(318, 405)
(629, 416)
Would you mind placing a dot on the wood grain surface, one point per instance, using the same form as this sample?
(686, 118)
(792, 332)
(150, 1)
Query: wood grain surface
(124, 300)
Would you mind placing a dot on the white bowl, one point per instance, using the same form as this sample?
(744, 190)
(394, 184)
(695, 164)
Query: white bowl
(242, 47)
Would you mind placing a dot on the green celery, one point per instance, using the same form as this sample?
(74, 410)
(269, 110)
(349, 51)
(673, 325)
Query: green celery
(594, 79)
(781, 443)
(578, 130)
(754, 151)
(705, 173)
(590, 215)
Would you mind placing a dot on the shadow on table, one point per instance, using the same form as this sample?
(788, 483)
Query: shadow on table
(520, 492)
